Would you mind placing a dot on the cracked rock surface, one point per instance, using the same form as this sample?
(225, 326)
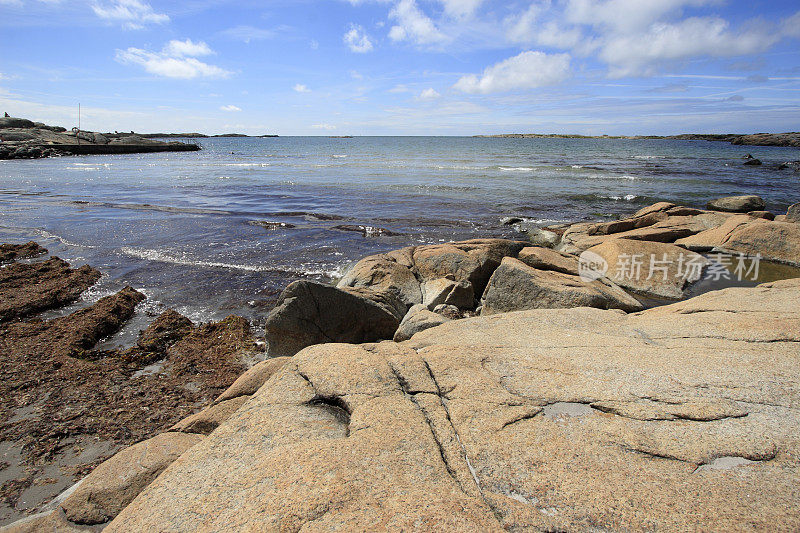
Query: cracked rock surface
(684, 417)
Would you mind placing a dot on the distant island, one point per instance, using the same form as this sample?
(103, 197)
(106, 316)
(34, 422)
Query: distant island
(755, 139)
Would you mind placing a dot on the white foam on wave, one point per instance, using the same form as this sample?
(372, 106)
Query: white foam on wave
(62, 240)
(613, 177)
(649, 157)
(627, 197)
(247, 165)
(183, 259)
(516, 169)
(339, 156)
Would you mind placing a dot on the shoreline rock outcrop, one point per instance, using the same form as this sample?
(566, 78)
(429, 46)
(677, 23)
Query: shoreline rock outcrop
(679, 417)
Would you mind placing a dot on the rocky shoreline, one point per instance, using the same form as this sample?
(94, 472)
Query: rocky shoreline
(756, 139)
(479, 385)
(24, 139)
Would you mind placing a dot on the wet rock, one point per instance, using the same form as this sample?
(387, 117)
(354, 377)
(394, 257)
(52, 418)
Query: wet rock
(310, 313)
(737, 204)
(76, 334)
(651, 268)
(419, 318)
(27, 289)
(271, 225)
(168, 328)
(510, 221)
(441, 432)
(447, 291)
(515, 286)
(367, 231)
(540, 237)
(752, 162)
(116, 482)
(210, 418)
(11, 252)
(248, 383)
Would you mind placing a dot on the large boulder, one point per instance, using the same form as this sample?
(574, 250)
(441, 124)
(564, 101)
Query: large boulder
(651, 269)
(772, 240)
(472, 261)
(312, 313)
(737, 204)
(449, 292)
(382, 272)
(419, 318)
(515, 286)
(793, 213)
(115, 483)
(682, 418)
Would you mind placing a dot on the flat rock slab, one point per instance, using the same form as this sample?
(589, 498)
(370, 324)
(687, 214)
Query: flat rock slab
(652, 269)
(576, 419)
(515, 286)
(27, 289)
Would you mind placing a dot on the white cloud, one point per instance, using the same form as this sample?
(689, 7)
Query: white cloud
(174, 60)
(132, 14)
(429, 94)
(643, 54)
(231, 108)
(300, 88)
(413, 24)
(186, 48)
(527, 70)
(357, 40)
(461, 8)
(328, 127)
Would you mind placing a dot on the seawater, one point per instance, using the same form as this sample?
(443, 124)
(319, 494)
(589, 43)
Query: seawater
(179, 226)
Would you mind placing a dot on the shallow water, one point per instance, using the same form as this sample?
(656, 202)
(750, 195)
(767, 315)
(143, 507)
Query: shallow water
(179, 225)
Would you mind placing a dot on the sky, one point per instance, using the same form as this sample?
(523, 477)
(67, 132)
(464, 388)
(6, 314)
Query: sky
(404, 67)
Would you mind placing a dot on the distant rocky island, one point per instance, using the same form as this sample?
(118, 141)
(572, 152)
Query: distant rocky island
(24, 139)
(755, 139)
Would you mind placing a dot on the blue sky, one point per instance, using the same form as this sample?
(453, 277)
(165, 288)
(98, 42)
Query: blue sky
(404, 67)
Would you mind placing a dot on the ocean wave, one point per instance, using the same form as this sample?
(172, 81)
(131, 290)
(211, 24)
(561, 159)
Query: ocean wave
(62, 240)
(515, 169)
(339, 156)
(627, 197)
(246, 165)
(151, 207)
(182, 259)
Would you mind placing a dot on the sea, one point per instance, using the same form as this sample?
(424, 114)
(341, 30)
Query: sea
(222, 231)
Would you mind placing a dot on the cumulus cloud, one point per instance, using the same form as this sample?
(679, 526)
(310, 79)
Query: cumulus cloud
(300, 88)
(412, 24)
(527, 70)
(357, 40)
(186, 48)
(642, 54)
(429, 94)
(461, 8)
(132, 14)
(231, 108)
(176, 60)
